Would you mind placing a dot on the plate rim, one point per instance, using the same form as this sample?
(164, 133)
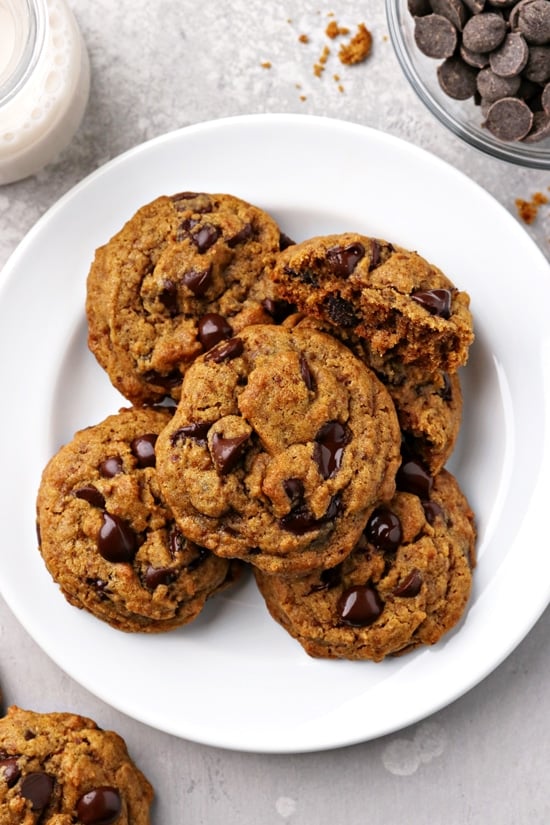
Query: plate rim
(241, 121)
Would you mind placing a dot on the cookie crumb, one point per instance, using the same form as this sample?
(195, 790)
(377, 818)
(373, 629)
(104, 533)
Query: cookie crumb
(528, 210)
(266, 64)
(319, 67)
(358, 48)
(303, 38)
(334, 30)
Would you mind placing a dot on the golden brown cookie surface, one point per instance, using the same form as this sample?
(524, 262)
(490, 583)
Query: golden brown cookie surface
(182, 274)
(281, 444)
(60, 768)
(109, 539)
(406, 583)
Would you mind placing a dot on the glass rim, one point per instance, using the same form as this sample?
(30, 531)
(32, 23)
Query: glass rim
(512, 153)
(36, 13)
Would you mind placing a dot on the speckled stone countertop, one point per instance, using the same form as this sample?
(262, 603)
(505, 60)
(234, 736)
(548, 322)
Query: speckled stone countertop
(157, 66)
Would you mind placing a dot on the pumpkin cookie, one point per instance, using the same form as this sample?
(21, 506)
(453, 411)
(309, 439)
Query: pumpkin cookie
(405, 308)
(281, 445)
(109, 539)
(406, 583)
(59, 768)
(184, 273)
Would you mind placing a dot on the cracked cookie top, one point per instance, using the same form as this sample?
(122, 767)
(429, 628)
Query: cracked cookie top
(280, 447)
(184, 273)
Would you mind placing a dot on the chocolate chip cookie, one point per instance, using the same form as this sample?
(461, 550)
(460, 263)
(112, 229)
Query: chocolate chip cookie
(406, 583)
(184, 273)
(60, 768)
(405, 308)
(108, 537)
(281, 445)
(428, 405)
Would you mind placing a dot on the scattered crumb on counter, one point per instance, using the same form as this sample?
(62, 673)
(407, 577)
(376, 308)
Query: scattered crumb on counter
(528, 210)
(319, 67)
(266, 64)
(358, 48)
(303, 38)
(334, 30)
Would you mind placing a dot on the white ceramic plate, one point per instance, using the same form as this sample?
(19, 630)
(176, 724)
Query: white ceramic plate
(234, 678)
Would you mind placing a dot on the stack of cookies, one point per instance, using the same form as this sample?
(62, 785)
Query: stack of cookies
(293, 407)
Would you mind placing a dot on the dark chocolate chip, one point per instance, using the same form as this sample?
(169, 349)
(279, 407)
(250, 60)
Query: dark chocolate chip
(540, 128)
(241, 236)
(166, 380)
(413, 478)
(509, 119)
(278, 309)
(301, 520)
(475, 59)
(432, 510)
(510, 59)
(328, 579)
(538, 64)
(10, 770)
(285, 242)
(330, 442)
(436, 301)
(410, 586)
(545, 99)
(225, 351)
(176, 541)
(111, 466)
(116, 540)
(201, 555)
(294, 488)
(457, 79)
(534, 22)
(198, 280)
(143, 448)
(213, 328)
(384, 530)
(359, 606)
(492, 87)
(341, 312)
(205, 237)
(453, 10)
(446, 392)
(306, 373)
(91, 494)
(484, 32)
(435, 36)
(154, 576)
(197, 431)
(168, 296)
(343, 259)
(37, 787)
(227, 452)
(100, 806)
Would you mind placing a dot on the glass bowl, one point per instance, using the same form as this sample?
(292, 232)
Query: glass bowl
(463, 118)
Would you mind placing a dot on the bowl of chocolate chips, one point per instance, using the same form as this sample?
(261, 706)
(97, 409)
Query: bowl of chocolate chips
(482, 67)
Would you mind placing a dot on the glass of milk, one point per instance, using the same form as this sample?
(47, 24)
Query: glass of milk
(44, 84)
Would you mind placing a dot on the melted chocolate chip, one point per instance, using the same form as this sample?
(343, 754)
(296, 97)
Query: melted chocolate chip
(227, 452)
(111, 466)
(410, 586)
(432, 510)
(176, 541)
(328, 579)
(185, 227)
(205, 237)
(225, 351)
(241, 236)
(413, 478)
(116, 539)
(197, 431)
(359, 606)
(436, 301)
(143, 448)
(341, 312)
(213, 328)
(384, 530)
(343, 259)
(198, 280)
(278, 309)
(446, 392)
(374, 255)
(329, 447)
(90, 494)
(10, 770)
(285, 241)
(294, 488)
(306, 373)
(301, 520)
(100, 806)
(306, 276)
(37, 787)
(168, 296)
(158, 575)
(202, 555)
